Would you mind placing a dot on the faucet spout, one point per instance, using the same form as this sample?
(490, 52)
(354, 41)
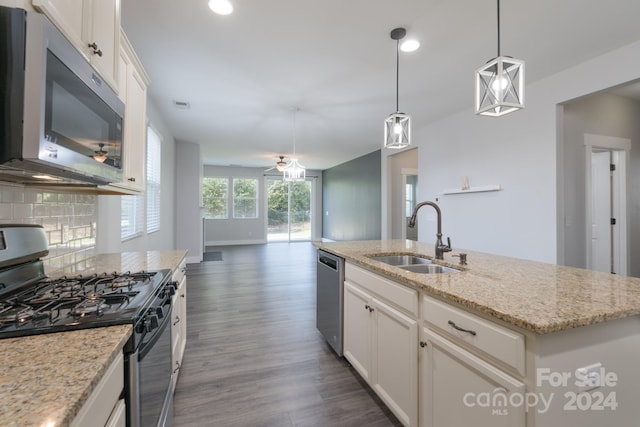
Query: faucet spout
(441, 248)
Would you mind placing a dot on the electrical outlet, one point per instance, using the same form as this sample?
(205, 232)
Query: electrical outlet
(589, 377)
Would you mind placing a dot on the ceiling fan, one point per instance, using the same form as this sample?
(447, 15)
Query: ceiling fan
(279, 165)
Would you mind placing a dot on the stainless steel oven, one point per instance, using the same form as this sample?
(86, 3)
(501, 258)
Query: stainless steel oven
(149, 367)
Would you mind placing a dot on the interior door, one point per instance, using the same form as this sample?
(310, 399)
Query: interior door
(601, 245)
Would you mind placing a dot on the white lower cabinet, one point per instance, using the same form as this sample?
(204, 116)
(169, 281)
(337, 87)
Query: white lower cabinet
(381, 342)
(460, 389)
(104, 406)
(179, 321)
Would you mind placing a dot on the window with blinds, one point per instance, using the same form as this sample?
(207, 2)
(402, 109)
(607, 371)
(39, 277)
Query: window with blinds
(131, 216)
(154, 149)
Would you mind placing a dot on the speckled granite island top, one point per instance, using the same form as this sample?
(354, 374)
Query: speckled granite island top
(534, 296)
(45, 379)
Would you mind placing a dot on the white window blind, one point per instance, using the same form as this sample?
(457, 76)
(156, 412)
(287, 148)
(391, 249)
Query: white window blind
(154, 150)
(131, 216)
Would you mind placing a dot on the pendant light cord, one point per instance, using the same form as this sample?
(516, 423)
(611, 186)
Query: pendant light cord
(498, 27)
(294, 131)
(397, 75)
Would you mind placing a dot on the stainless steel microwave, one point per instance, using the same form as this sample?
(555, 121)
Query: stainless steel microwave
(59, 121)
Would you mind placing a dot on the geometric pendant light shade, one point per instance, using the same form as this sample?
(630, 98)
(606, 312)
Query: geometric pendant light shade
(294, 171)
(499, 84)
(397, 127)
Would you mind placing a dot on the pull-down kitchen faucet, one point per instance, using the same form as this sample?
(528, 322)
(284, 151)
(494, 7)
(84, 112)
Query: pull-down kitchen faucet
(441, 248)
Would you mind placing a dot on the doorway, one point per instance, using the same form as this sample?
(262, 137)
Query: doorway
(288, 210)
(606, 207)
(410, 192)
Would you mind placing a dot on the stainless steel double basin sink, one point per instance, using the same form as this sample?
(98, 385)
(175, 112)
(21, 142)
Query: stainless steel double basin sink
(413, 263)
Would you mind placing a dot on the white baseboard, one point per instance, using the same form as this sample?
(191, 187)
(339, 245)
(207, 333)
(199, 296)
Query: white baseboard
(193, 260)
(234, 242)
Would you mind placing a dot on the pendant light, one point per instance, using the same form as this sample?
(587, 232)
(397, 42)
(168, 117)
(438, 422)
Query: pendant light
(294, 171)
(500, 84)
(397, 127)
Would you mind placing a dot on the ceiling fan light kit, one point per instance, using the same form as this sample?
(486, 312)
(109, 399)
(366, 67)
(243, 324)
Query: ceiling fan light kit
(499, 84)
(100, 155)
(397, 127)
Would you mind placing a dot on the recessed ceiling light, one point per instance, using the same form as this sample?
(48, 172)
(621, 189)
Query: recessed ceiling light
(409, 45)
(221, 7)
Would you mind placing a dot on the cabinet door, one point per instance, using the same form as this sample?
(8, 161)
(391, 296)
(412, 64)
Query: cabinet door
(395, 360)
(67, 16)
(460, 389)
(357, 323)
(135, 132)
(103, 29)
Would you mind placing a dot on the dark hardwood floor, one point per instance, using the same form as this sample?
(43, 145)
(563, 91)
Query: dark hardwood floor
(254, 356)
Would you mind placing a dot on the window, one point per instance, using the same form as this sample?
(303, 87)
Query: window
(214, 197)
(245, 198)
(131, 216)
(154, 150)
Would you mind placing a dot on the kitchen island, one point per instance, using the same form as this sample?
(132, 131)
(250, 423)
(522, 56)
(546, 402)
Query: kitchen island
(513, 332)
(51, 379)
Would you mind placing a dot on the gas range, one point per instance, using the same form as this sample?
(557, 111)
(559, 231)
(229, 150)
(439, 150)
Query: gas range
(71, 303)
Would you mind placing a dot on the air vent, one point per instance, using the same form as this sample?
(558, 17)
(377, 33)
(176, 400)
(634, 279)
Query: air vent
(183, 105)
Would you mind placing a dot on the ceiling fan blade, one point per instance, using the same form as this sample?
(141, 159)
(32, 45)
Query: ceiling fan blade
(271, 168)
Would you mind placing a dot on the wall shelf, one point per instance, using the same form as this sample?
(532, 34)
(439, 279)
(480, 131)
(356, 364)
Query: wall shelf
(482, 189)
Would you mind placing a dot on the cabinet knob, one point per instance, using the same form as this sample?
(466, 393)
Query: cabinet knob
(177, 321)
(96, 51)
(177, 367)
(132, 179)
(368, 307)
(423, 344)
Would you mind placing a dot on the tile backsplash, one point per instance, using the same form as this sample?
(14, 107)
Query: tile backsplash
(69, 220)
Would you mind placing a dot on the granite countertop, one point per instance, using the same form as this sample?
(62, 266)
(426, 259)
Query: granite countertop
(123, 261)
(45, 379)
(535, 296)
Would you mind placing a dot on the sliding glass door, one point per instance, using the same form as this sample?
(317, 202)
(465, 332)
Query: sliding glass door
(289, 210)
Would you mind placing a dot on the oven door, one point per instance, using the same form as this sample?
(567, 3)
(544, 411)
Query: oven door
(150, 377)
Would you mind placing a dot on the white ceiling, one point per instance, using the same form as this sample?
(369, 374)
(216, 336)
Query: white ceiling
(245, 74)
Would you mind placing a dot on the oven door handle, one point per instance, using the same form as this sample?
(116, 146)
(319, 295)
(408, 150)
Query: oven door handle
(146, 347)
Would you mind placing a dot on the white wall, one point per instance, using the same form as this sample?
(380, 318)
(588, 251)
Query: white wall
(517, 151)
(188, 200)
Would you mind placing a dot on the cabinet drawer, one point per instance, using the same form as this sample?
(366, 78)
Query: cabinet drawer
(179, 272)
(499, 342)
(402, 296)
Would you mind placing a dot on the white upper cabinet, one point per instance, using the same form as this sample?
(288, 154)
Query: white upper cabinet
(132, 85)
(93, 26)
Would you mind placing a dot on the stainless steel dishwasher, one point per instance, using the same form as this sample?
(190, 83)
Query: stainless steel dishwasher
(329, 285)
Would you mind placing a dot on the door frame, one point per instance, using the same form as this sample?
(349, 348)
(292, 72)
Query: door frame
(405, 172)
(620, 148)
